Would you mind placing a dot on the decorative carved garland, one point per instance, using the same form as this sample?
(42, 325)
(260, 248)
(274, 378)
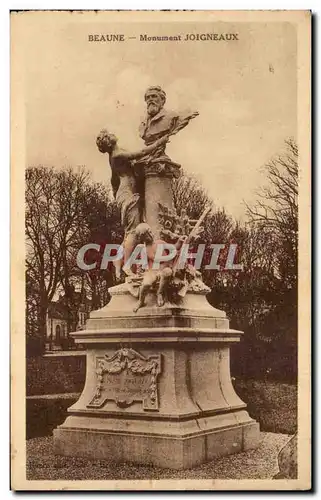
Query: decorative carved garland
(134, 362)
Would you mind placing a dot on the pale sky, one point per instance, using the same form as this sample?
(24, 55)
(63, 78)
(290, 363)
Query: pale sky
(245, 92)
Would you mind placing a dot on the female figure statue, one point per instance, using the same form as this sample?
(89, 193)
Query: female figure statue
(124, 181)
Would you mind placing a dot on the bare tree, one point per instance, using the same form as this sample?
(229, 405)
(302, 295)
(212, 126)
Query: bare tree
(188, 194)
(57, 225)
(263, 299)
(277, 209)
(43, 256)
(100, 225)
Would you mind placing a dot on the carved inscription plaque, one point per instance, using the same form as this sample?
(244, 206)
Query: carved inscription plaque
(127, 377)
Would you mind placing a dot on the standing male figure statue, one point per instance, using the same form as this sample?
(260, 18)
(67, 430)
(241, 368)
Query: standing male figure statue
(159, 169)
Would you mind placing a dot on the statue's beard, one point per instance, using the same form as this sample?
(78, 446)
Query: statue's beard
(153, 108)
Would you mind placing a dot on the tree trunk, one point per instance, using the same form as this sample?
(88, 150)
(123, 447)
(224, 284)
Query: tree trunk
(43, 308)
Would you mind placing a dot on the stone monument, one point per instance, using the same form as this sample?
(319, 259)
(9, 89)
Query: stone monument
(158, 389)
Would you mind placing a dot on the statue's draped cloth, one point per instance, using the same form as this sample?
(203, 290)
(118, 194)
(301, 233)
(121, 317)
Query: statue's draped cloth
(128, 202)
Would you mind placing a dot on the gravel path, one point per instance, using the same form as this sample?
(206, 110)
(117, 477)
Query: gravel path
(255, 464)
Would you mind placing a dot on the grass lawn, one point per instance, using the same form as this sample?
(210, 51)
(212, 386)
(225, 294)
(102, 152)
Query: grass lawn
(272, 404)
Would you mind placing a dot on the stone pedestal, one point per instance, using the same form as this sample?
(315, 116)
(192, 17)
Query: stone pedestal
(159, 190)
(158, 389)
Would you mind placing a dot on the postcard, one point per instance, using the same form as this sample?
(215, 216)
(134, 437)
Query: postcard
(160, 250)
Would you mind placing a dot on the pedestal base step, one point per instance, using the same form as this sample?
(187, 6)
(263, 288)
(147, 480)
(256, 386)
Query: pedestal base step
(166, 451)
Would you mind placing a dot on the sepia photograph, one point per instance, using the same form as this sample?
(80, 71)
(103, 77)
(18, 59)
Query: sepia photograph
(160, 242)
